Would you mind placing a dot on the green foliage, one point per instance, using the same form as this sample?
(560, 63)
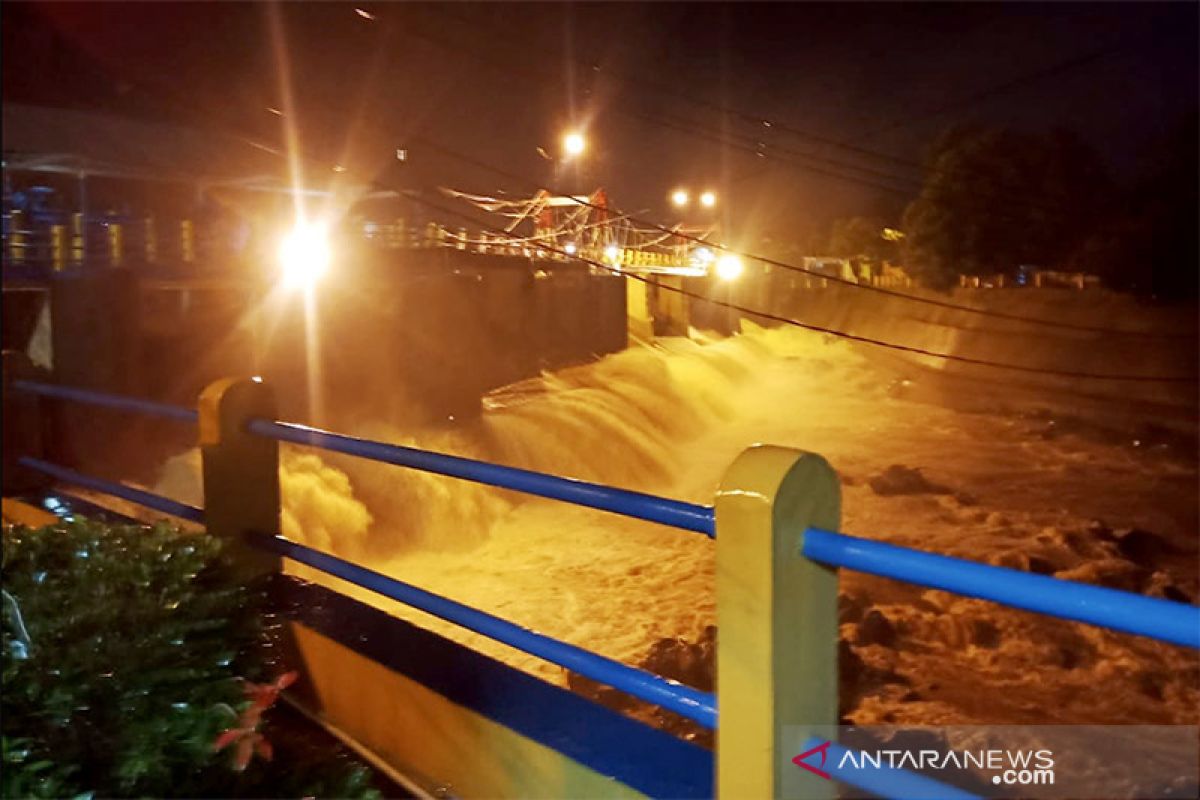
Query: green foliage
(994, 200)
(22, 774)
(861, 237)
(124, 651)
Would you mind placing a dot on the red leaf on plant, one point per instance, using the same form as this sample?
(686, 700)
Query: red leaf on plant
(265, 695)
(245, 750)
(252, 716)
(264, 749)
(227, 738)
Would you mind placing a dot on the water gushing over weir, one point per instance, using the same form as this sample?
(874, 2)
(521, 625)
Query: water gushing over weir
(1002, 488)
(619, 421)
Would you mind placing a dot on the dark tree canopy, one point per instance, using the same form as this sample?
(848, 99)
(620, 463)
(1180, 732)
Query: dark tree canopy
(1149, 244)
(994, 200)
(861, 237)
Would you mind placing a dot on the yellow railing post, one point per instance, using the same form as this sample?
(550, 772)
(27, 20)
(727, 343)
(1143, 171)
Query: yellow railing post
(77, 235)
(777, 633)
(116, 244)
(16, 237)
(241, 471)
(58, 247)
(187, 241)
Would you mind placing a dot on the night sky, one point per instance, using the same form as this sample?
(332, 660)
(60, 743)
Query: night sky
(854, 92)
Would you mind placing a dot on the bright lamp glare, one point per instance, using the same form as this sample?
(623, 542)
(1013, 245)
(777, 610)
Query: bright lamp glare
(304, 256)
(729, 267)
(570, 248)
(708, 199)
(573, 144)
(679, 197)
(612, 253)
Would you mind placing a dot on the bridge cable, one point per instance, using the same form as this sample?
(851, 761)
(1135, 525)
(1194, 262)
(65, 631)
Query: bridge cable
(805, 270)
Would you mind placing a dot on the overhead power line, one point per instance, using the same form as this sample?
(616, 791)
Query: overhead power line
(795, 268)
(763, 122)
(808, 326)
(1006, 202)
(823, 329)
(1020, 81)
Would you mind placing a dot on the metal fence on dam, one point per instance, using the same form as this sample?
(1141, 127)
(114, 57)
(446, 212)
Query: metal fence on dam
(410, 336)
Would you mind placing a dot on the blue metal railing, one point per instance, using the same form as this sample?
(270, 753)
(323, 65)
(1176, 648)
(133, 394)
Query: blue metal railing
(139, 496)
(1165, 620)
(1169, 621)
(1131, 613)
(133, 405)
(684, 700)
(674, 513)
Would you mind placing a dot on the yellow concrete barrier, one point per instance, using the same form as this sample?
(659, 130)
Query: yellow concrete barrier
(240, 470)
(187, 241)
(58, 247)
(16, 237)
(77, 238)
(116, 243)
(449, 748)
(777, 623)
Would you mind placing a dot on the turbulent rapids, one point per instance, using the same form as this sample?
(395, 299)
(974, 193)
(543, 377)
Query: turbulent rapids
(1023, 487)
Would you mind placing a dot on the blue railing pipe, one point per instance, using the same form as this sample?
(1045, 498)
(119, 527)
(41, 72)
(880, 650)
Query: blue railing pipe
(1178, 623)
(139, 496)
(674, 513)
(133, 405)
(683, 700)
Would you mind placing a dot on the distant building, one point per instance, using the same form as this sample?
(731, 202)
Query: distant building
(1031, 277)
(85, 188)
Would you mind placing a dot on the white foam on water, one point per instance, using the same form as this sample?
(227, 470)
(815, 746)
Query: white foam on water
(668, 420)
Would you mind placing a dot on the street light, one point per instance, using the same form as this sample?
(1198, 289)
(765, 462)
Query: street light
(574, 143)
(708, 199)
(304, 255)
(729, 267)
(679, 198)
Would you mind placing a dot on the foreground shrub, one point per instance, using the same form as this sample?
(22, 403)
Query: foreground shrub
(127, 652)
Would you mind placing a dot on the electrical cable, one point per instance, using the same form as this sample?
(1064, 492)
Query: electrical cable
(821, 329)
(832, 331)
(760, 120)
(836, 279)
(832, 174)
